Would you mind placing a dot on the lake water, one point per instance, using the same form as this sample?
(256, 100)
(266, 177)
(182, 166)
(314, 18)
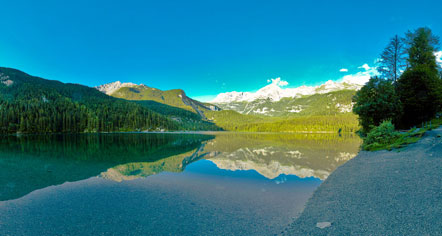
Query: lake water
(162, 184)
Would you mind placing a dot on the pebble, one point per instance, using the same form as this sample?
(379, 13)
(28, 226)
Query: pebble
(322, 225)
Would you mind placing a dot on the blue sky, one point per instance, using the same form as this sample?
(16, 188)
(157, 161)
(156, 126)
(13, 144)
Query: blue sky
(204, 47)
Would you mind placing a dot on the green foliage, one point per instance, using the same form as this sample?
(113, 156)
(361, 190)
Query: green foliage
(171, 103)
(420, 86)
(174, 97)
(420, 91)
(381, 138)
(421, 46)
(375, 102)
(34, 105)
(188, 120)
(415, 97)
(234, 121)
(142, 93)
(380, 135)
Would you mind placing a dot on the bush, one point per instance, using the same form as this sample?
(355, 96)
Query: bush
(379, 136)
(375, 102)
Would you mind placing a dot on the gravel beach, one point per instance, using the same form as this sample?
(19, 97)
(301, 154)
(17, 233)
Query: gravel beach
(380, 193)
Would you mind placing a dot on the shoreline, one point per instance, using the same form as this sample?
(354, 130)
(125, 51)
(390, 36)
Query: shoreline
(380, 193)
(186, 132)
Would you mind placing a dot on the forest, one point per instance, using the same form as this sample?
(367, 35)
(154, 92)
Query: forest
(30, 104)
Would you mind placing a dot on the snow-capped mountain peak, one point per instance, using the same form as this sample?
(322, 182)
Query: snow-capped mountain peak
(275, 92)
(114, 86)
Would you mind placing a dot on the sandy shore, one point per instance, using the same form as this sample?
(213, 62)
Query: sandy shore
(380, 193)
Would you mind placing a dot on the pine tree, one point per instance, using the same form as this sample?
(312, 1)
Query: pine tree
(420, 87)
(392, 61)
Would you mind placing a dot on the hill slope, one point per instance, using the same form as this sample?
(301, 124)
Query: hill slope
(323, 108)
(34, 105)
(174, 97)
(332, 103)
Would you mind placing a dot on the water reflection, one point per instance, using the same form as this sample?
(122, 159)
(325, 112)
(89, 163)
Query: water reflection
(135, 170)
(34, 162)
(29, 163)
(162, 184)
(271, 155)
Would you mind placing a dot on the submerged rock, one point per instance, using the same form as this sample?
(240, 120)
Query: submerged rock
(323, 225)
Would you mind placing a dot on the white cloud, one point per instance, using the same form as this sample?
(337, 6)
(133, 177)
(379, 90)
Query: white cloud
(438, 57)
(343, 70)
(365, 66)
(278, 82)
(275, 92)
(361, 77)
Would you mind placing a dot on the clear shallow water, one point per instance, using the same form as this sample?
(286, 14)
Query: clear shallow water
(162, 184)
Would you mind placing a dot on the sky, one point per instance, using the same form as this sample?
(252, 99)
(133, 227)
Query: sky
(204, 47)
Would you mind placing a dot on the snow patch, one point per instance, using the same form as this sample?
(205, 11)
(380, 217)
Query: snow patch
(263, 111)
(344, 108)
(295, 109)
(4, 79)
(114, 86)
(275, 92)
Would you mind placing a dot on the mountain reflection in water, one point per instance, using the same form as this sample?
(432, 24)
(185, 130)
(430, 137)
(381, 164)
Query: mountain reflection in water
(162, 184)
(271, 155)
(33, 162)
(303, 155)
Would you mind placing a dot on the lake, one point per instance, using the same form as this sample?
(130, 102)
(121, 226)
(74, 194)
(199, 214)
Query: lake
(219, 183)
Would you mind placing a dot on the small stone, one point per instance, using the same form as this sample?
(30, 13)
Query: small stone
(322, 225)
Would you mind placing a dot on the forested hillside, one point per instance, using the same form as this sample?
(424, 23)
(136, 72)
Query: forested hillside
(234, 121)
(332, 103)
(173, 103)
(322, 112)
(174, 97)
(30, 104)
(188, 120)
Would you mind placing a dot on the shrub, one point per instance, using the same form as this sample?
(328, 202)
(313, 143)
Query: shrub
(379, 136)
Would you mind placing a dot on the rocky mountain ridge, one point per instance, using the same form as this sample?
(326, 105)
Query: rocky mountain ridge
(274, 91)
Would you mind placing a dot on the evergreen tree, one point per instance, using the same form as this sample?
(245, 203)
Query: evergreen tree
(421, 45)
(375, 102)
(392, 61)
(420, 86)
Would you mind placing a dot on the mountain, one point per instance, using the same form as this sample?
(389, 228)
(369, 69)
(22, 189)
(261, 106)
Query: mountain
(112, 87)
(174, 104)
(332, 103)
(330, 98)
(324, 108)
(30, 104)
(141, 92)
(274, 92)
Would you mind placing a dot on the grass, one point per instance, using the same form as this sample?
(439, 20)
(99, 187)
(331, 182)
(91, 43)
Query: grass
(402, 139)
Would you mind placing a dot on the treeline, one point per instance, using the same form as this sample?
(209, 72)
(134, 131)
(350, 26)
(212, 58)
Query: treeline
(188, 120)
(233, 121)
(33, 105)
(408, 90)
